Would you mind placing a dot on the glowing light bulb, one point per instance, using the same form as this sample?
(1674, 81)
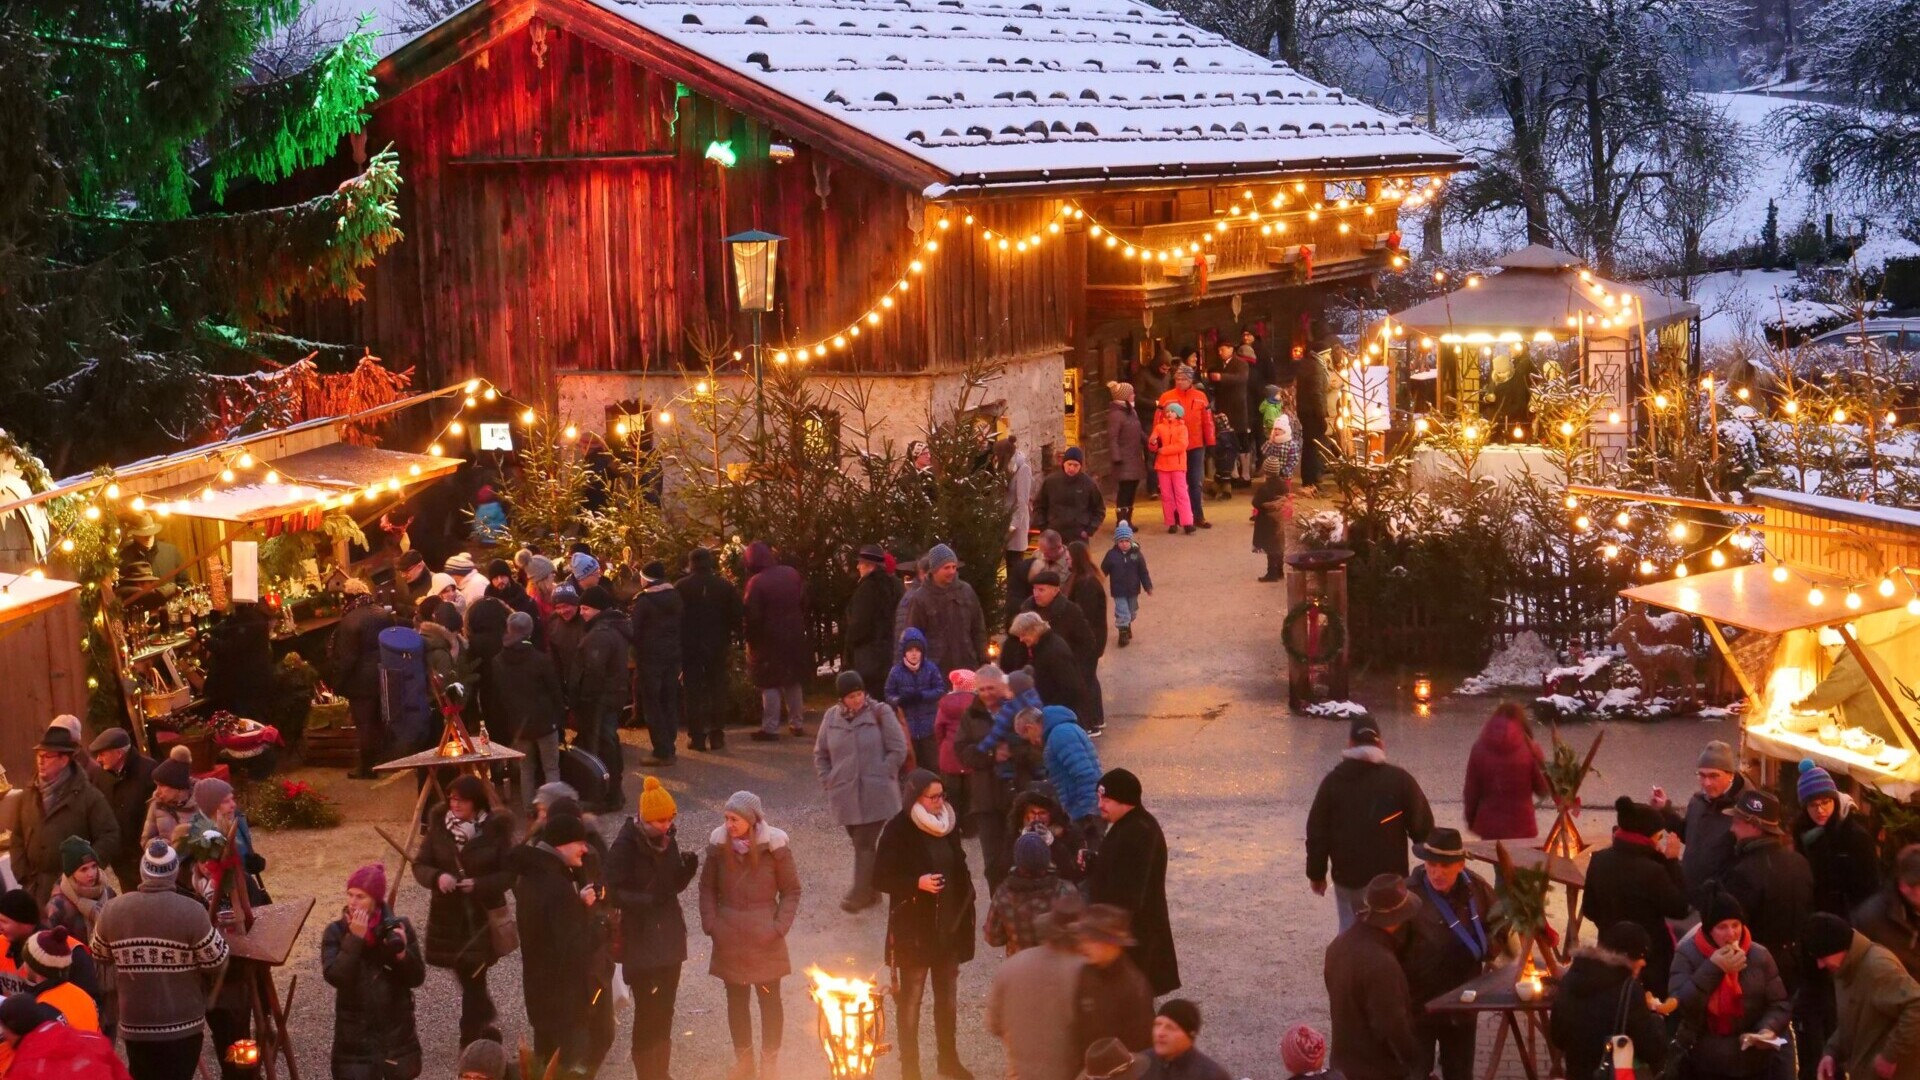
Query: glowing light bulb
(470, 402)
(1573, 502)
(1680, 570)
(527, 417)
(473, 385)
(1743, 393)
(274, 477)
(571, 433)
(1839, 416)
(1583, 523)
(1815, 597)
(666, 417)
(1660, 401)
(1913, 606)
(1891, 419)
(456, 428)
(620, 428)
(413, 470)
(1613, 417)
(1519, 432)
(67, 545)
(139, 504)
(1780, 574)
(113, 491)
(435, 450)
(91, 513)
(1623, 519)
(1717, 558)
(1610, 551)
(490, 394)
(1421, 425)
(1566, 429)
(1646, 567)
(1791, 408)
(1886, 586)
(1678, 531)
(1853, 600)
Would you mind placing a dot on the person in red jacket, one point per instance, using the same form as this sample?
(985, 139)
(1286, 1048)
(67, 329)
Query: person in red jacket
(1198, 414)
(1503, 775)
(44, 1046)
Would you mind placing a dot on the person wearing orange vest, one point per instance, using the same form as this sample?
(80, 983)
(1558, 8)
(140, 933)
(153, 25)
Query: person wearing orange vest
(46, 964)
(1198, 414)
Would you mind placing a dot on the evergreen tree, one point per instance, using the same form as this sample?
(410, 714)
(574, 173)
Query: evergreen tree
(125, 126)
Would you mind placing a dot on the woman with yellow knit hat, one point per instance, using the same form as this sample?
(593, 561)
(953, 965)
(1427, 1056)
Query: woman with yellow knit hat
(646, 873)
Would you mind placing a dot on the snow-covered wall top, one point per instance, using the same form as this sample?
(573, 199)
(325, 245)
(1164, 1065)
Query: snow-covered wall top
(1002, 92)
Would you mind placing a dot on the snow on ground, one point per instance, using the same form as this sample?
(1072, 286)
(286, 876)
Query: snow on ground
(1735, 303)
(1521, 663)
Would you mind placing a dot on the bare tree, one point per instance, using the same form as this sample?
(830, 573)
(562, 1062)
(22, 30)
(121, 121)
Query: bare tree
(1703, 157)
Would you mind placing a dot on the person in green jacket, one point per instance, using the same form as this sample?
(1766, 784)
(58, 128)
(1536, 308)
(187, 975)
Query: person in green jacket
(1878, 1031)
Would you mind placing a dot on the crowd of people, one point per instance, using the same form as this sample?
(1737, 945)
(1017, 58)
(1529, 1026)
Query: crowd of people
(1731, 942)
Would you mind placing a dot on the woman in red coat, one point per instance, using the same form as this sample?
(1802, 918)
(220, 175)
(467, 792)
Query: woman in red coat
(1503, 776)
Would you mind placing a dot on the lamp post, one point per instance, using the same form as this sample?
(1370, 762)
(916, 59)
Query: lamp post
(755, 255)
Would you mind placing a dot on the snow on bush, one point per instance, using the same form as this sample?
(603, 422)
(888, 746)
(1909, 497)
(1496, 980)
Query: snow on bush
(1523, 662)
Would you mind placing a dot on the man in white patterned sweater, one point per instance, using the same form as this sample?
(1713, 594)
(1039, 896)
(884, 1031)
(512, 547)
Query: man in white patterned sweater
(164, 955)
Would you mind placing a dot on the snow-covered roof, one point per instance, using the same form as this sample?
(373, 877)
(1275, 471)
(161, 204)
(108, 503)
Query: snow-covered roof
(1538, 288)
(1891, 517)
(999, 91)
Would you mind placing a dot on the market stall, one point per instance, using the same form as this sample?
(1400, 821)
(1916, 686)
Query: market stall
(1479, 350)
(1824, 641)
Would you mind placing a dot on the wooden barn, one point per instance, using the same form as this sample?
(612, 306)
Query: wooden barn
(1049, 186)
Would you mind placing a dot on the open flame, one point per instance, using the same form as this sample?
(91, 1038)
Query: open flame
(851, 1024)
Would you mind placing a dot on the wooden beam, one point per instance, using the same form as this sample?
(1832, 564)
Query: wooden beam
(1733, 662)
(1594, 492)
(1892, 704)
(626, 157)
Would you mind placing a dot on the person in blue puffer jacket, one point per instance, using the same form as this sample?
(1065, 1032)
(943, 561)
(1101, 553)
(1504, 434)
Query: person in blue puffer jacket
(914, 688)
(1073, 765)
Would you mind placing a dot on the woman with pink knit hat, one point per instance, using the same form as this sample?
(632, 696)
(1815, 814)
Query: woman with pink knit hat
(372, 960)
(1303, 1053)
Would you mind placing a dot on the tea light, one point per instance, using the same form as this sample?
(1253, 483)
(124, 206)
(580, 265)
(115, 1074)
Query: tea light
(1422, 688)
(1528, 989)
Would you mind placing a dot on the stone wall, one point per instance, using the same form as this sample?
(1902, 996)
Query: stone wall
(897, 407)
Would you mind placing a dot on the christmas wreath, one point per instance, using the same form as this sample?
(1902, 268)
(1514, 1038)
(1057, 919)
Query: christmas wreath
(1320, 644)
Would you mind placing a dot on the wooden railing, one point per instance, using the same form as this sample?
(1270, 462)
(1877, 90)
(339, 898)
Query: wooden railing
(1242, 249)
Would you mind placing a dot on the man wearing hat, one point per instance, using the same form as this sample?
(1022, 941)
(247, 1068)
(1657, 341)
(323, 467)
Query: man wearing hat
(1048, 599)
(1771, 880)
(1109, 1059)
(1114, 1000)
(353, 652)
(1450, 942)
(1367, 992)
(563, 628)
(869, 618)
(657, 614)
(412, 581)
(601, 687)
(502, 586)
(1069, 501)
(1031, 1005)
(164, 956)
(709, 623)
(59, 803)
(646, 873)
(125, 776)
(1878, 1033)
(1705, 826)
(947, 610)
(1361, 820)
(1174, 1057)
(1130, 872)
(1637, 879)
(143, 544)
(469, 584)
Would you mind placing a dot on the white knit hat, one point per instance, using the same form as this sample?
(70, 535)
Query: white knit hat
(160, 863)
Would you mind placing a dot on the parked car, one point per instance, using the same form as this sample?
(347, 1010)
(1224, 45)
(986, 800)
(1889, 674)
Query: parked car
(1888, 335)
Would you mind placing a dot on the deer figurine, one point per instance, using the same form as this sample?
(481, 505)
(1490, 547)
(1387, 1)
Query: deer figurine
(1659, 647)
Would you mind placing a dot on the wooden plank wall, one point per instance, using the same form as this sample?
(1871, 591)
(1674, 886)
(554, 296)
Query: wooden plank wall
(513, 269)
(1836, 556)
(42, 674)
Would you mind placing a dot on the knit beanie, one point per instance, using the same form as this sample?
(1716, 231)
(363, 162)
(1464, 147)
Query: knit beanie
(654, 571)
(370, 879)
(1721, 905)
(519, 627)
(1122, 531)
(583, 565)
(209, 792)
(539, 568)
(1826, 934)
(563, 829)
(1174, 410)
(656, 803)
(1121, 786)
(1074, 453)
(1303, 1050)
(1031, 856)
(18, 906)
(50, 952)
(746, 805)
(550, 793)
(961, 680)
(1182, 1012)
(1716, 755)
(160, 863)
(847, 682)
(75, 853)
(919, 780)
(597, 597)
(499, 568)
(459, 563)
(1270, 465)
(1017, 683)
(940, 556)
(1814, 782)
(1636, 817)
(1629, 939)
(566, 594)
(483, 1058)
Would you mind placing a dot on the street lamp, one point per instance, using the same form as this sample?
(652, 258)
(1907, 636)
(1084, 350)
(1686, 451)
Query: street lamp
(755, 254)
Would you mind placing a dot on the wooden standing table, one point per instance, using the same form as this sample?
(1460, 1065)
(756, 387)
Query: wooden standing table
(1525, 1022)
(253, 954)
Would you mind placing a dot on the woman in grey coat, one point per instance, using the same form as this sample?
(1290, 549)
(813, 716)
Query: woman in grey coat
(749, 896)
(858, 754)
(1716, 1015)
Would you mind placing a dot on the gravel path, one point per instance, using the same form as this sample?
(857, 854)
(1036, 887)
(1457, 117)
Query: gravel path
(1196, 707)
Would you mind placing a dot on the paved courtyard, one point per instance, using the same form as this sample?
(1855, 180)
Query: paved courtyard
(1196, 706)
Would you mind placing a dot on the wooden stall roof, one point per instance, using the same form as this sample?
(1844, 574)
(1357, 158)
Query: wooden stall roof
(1749, 598)
(23, 595)
(1851, 511)
(1536, 289)
(310, 480)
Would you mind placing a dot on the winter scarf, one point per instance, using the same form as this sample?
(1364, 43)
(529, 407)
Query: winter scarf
(1622, 836)
(463, 832)
(1842, 806)
(57, 790)
(934, 824)
(1726, 1007)
(1372, 755)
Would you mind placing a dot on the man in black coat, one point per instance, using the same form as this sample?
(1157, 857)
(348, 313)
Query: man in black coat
(1056, 674)
(1362, 819)
(646, 873)
(532, 703)
(354, 652)
(502, 587)
(1705, 827)
(1771, 880)
(565, 964)
(1637, 879)
(1367, 993)
(125, 776)
(1891, 917)
(1069, 501)
(869, 618)
(1065, 617)
(657, 615)
(1130, 872)
(601, 686)
(1449, 943)
(709, 623)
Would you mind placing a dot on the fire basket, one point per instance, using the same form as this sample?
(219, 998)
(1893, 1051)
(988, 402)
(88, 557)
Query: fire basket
(853, 1024)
